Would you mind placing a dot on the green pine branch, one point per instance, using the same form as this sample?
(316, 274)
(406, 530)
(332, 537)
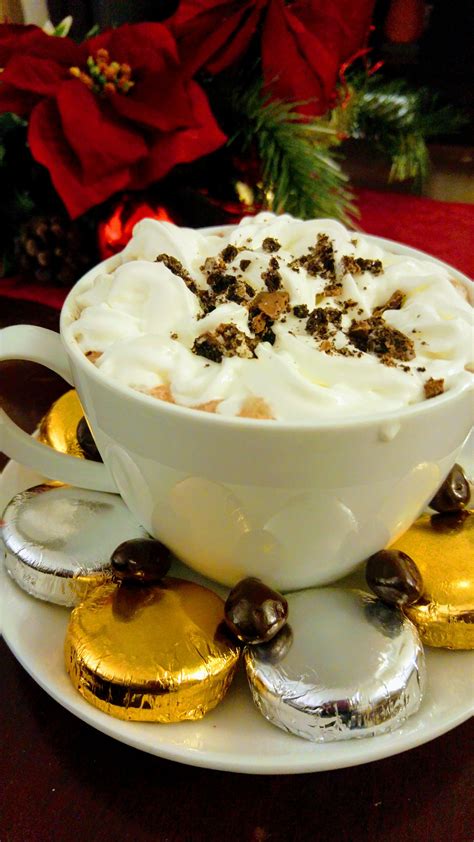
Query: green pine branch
(299, 174)
(399, 120)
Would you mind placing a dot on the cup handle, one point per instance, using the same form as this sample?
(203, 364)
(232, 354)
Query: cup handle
(36, 344)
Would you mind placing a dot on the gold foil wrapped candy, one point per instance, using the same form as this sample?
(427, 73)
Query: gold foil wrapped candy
(442, 546)
(151, 653)
(58, 428)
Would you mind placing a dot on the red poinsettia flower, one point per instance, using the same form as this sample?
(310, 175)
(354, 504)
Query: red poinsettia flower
(114, 112)
(303, 43)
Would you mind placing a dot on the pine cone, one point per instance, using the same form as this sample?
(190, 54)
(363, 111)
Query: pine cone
(54, 250)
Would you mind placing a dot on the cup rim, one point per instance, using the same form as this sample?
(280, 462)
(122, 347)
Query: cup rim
(275, 425)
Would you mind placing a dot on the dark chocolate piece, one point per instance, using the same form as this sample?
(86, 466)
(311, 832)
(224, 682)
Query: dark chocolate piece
(394, 577)
(254, 612)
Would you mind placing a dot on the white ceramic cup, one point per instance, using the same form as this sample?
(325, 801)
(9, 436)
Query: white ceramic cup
(296, 504)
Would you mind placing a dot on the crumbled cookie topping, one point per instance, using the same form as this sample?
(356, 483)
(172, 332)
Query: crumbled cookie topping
(176, 267)
(272, 304)
(270, 244)
(370, 335)
(320, 259)
(357, 265)
(323, 322)
(272, 276)
(226, 341)
(375, 336)
(433, 388)
(395, 302)
(229, 253)
(301, 311)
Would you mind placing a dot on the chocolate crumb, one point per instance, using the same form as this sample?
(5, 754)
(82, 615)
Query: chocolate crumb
(421, 368)
(270, 244)
(374, 336)
(244, 264)
(357, 265)
(332, 289)
(326, 346)
(176, 267)
(229, 253)
(395, 302)
(219, 281)
(239, 291)
(226, 341)
(206, 300)
(208, 347)
(301, 311)
(268, 336)
(320, 260)
(323, 321)
(272, 277)
(433, 388)
(174, 335)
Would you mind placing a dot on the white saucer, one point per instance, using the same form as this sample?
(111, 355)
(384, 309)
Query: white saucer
(234, 737)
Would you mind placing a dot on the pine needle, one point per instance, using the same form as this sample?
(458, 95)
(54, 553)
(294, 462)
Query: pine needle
(399, 120)
(299, 174)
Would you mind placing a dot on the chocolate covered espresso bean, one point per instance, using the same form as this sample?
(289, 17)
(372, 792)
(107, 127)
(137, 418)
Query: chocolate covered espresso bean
(254, 612)
(144, 561)
(454, 493)
(394, 577)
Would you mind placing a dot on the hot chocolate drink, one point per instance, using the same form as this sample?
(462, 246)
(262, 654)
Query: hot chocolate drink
(276, 318)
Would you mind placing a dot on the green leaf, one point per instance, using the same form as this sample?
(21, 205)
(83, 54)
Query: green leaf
(9, 122)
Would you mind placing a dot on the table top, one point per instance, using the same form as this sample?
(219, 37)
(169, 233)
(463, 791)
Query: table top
(61, 780)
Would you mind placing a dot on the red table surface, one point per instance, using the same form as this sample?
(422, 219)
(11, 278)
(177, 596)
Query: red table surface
(62, 781)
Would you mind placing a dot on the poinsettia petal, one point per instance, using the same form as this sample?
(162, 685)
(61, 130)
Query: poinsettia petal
(166, 110)
(38, 75)
(141, 45)
(101, 143)
(345, 23)
(296, 65)
(203, 29)
(182, 146)
(18, 102)
(50, 148)
(236, 46)
(10, 35)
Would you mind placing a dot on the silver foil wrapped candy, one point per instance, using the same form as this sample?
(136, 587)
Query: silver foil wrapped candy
(59, 540)
(351, 667)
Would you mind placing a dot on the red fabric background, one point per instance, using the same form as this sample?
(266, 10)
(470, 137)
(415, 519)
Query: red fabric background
(444, 229)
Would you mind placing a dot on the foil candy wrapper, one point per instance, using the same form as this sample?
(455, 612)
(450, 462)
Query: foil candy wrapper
(156, 653)
(349, 667)
(59, 540)
(58, 428)
(442, 547)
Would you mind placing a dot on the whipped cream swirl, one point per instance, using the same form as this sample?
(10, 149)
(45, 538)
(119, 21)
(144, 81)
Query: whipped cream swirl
(156, 326)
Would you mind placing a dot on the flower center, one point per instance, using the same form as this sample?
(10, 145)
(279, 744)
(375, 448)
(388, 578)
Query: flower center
(103, 76)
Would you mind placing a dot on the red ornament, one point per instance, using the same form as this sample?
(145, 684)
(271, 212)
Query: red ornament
(115, 231)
